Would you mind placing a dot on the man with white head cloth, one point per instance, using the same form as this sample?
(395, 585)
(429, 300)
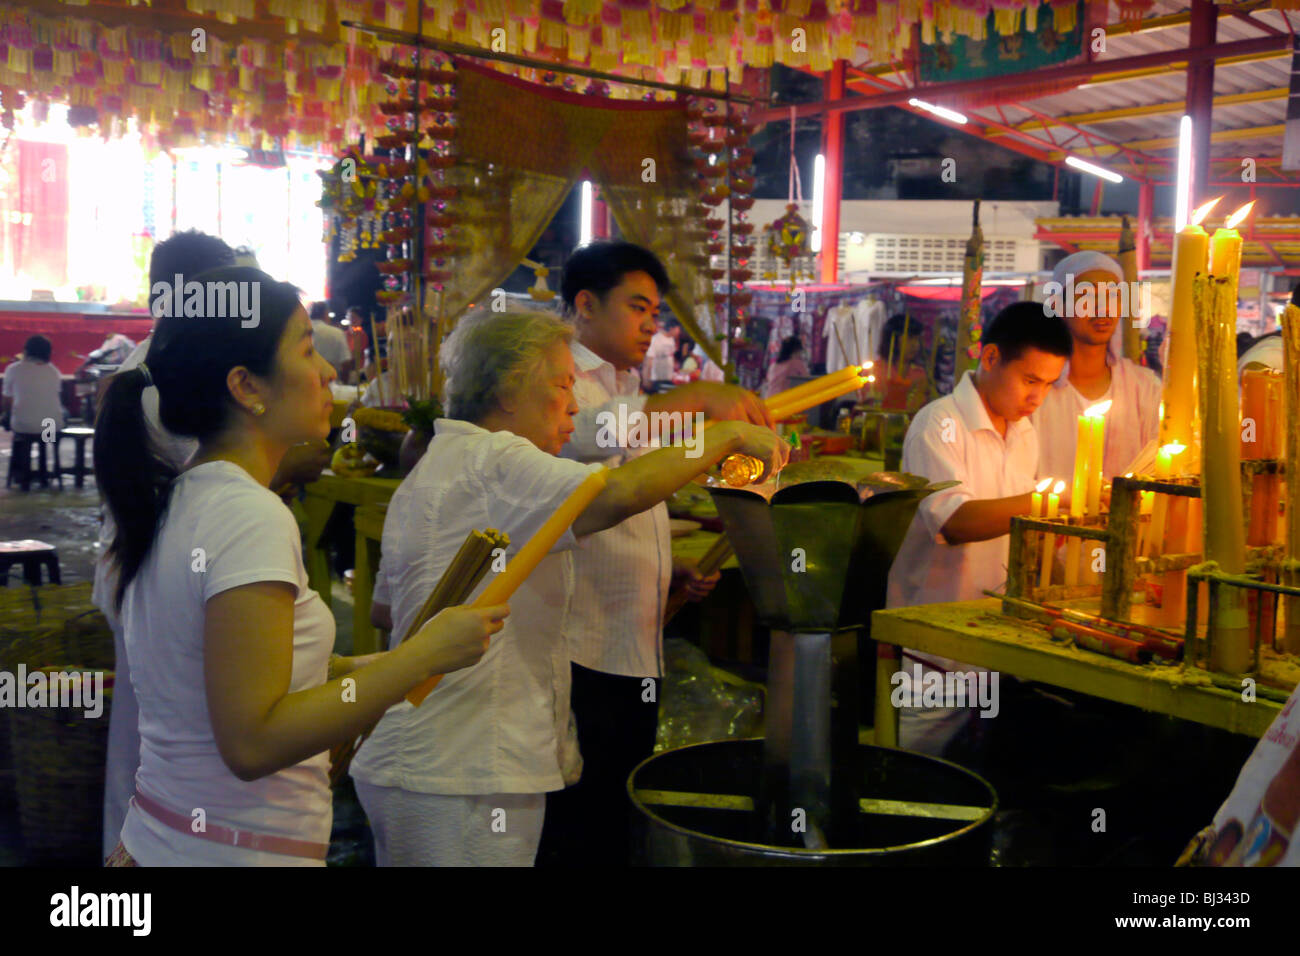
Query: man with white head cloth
(1096, 371)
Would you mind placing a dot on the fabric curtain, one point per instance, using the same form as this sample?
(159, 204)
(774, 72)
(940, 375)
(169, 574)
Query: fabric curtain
(523, 148)
(38, 226)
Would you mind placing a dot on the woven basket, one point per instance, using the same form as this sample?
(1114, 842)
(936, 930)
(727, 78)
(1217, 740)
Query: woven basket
(59, 753)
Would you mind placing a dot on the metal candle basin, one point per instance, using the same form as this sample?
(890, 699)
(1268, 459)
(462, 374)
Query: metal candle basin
(801, 547)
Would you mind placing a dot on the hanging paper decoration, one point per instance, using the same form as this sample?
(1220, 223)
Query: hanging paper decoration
(788, 241)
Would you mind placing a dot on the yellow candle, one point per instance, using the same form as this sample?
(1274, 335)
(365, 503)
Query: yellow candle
(813, 387)
(1191, 246)
(1049, 541)
(805, 402)
(1225, 252)
(1078, 497)
(530, 555)
(1036, 499)
(1096, 454)
(1225, 541)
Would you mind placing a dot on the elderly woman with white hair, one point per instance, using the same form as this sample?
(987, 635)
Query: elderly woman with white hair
(1096, 371)
(462, 778)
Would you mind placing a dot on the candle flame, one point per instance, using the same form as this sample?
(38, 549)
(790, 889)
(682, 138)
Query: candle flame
(1098, 410)
(869, 365)
(1238, 216)
(1042, 485)
(1058, 487)
(1174, 448)
(871, 378)
(1203, 210)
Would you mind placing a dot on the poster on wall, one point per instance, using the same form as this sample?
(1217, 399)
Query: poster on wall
(1046, 39)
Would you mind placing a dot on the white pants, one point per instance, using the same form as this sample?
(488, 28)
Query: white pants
(929, 730)
(433, 829)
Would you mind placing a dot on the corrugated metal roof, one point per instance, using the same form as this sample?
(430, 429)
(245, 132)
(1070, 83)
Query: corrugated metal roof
(1253, 76)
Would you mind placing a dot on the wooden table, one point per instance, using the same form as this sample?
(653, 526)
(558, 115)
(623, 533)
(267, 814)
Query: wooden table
(320, 499)
(976, 632)
(369, 524)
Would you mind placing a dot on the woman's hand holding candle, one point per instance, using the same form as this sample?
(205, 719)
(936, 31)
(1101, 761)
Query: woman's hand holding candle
(456, 637)
(530, 555)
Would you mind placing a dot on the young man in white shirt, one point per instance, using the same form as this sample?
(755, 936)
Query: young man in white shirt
(980, 436)
(330, 340)
(1095, 372)
(622, 575)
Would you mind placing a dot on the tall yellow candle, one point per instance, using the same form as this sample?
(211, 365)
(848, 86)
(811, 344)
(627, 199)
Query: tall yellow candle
(530, 555)
(1225, 252)
(1078, 497)
(1096, 416)
(1049, 540)
(1225, 540)
(1191, 247)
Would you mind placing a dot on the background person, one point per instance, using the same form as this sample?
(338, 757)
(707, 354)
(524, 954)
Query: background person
(30, 399)
(331, 341)
(1096, 372)
(790, 363)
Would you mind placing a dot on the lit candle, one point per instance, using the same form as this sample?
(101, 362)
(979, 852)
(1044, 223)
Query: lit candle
(1036, 499)
(1225, 252)
(848, 373)
(1096, 416)
(1049, 541)
(1191, 246)
(1155, 539)
(530, 555)
(805, 402)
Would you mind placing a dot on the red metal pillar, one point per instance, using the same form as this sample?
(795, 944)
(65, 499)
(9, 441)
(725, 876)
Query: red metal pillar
(1200, 95)
(1146, 205)
(833, 150)
(599, 216)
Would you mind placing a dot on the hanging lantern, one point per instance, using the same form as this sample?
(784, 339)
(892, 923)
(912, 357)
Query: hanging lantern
(787, 238)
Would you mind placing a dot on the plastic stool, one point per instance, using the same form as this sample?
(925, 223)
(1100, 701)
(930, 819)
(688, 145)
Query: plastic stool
(32, 555)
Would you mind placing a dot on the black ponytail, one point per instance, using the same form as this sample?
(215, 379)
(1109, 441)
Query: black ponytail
(133, 477)
(188, 360)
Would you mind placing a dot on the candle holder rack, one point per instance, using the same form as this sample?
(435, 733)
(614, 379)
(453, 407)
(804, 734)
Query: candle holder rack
(1119, 532)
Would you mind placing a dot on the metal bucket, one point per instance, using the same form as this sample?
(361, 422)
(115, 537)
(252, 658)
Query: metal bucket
(701, 806)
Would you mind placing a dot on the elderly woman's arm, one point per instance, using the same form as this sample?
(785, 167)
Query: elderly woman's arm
(652, 478)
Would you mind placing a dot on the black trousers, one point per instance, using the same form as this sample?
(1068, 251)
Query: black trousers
(590, 823)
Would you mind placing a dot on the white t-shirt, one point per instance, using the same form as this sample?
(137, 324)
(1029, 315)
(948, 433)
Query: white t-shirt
(34, 386)
(1132, 422)
(332, 343)
(247, 535)
(503, 725)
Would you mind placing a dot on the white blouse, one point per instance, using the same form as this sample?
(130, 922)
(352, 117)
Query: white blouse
(503, 725)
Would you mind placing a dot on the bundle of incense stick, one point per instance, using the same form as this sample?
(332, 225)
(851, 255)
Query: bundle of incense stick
(717, 555)
(454, 587)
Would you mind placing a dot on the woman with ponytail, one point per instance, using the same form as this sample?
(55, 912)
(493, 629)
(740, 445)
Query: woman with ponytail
(229, 648)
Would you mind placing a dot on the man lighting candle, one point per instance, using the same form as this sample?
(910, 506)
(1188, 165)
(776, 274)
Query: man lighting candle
(980, 436)
(1096, 372)
(614, 627)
